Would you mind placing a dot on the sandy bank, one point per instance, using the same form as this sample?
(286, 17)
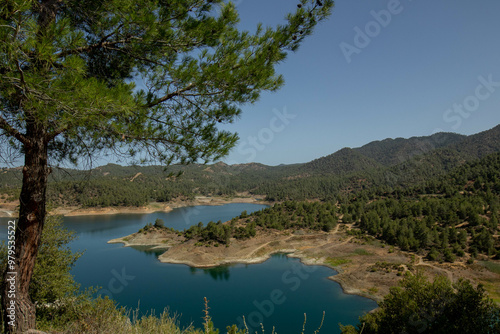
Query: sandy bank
(10, 210)
(365, 268)
(318, 248)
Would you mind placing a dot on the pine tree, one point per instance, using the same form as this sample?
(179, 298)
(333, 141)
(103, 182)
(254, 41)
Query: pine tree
(419, 306)
(66, 89)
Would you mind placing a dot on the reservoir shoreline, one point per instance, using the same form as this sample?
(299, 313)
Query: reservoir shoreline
(9, 210)
(314, 249)
(365, 266)
(181, 287)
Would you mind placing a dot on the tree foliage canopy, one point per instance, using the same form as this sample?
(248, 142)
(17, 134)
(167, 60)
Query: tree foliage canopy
(67, 73)
(420, 306)
(69, 68)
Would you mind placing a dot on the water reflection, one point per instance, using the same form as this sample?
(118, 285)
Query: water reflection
(150, 250)
(221, 273)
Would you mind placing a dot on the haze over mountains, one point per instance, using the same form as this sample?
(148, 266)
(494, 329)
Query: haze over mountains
(386, 163)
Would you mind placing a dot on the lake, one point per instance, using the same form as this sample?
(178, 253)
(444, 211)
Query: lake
(277, 292)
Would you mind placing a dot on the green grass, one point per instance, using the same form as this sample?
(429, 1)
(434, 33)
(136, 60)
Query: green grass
(491, 266)
(493, 290)
(336, 261)
(362, 251)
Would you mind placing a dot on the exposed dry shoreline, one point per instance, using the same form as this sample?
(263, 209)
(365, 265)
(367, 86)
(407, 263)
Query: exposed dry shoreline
(334, 250)
(10, 209)
(364, 268)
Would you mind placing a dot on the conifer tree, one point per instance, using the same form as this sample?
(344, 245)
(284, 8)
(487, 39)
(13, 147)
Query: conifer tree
(67, 73)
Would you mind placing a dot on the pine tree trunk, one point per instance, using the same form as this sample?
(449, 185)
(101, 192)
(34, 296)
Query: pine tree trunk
(28, 235)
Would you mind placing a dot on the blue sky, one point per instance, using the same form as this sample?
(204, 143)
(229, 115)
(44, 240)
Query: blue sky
(376, 69)
(424, 66)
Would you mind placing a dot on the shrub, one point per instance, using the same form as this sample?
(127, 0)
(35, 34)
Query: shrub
(420, 306)
(159, 223)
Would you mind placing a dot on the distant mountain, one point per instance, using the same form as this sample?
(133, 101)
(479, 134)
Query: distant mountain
(435, 162)
(479, 145)
(341, 162)
(379, 154)
(385, 163)
(389, 152)
(441, 151)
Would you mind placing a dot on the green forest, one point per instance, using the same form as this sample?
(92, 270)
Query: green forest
(383, 164)
(451, 216)
(443, 218)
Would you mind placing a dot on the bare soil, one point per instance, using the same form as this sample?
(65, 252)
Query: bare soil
(10, 209)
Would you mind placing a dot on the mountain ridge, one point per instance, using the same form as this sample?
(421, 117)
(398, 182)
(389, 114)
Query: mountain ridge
(389, 162)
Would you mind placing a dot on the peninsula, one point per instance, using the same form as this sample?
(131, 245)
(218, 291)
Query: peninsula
(365, 266)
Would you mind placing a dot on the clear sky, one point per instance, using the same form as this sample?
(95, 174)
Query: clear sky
(376, 69)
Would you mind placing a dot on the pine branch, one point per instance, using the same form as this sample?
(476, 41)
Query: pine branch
(171, 95)
(4, 125)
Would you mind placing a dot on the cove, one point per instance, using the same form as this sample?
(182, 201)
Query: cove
(277, 292)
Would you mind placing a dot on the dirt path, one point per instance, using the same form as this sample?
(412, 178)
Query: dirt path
(422, 263)
(256, 250)
(339, 244)
(328, 241)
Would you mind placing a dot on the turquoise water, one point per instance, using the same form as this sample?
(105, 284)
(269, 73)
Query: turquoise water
(277, 292)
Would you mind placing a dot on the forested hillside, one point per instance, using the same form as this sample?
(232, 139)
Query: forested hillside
(388, 163)
(390, 152)
(341, 162)
(456, 215)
